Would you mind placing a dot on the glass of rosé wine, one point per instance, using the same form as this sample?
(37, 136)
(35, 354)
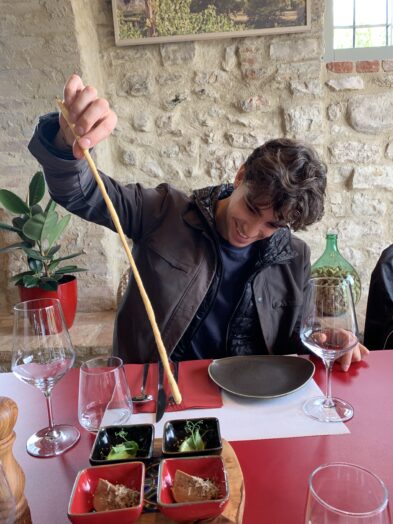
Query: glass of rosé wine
(329, 330)
(42, 353)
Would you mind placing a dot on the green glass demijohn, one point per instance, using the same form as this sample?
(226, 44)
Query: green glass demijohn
(333, 264)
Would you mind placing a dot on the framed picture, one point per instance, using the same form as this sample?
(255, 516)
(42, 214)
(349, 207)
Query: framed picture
(156, 21)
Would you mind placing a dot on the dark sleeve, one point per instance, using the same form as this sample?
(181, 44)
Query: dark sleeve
(295, 340)
(72, 185)
(379, 314)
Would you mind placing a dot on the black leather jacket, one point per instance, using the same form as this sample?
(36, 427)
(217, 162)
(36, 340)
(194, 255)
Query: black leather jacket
(174, 249)
(378, 331)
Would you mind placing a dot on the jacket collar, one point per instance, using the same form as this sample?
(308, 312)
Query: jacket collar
(278, 248)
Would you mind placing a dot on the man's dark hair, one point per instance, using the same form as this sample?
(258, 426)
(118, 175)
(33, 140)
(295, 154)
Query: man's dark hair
(290, 177)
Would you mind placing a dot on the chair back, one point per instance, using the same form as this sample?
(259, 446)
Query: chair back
(378, 331)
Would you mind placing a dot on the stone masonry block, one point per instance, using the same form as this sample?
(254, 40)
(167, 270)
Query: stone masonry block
(348, 83)
(373, 177)
(387, 65)
(357, 152)
(294, 50)
(174, 54)
(364, 204)
(304, 119)
(371, 114)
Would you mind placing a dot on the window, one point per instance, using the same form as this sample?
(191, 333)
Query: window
(359, 29)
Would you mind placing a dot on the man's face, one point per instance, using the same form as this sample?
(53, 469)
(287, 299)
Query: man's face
(241, 220)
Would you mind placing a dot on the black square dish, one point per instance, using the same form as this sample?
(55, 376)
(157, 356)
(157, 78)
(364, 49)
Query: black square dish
(176, 432)
(109, 436)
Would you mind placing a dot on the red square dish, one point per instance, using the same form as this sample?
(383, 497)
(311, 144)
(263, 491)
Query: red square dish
(208, 467)
(80, 508)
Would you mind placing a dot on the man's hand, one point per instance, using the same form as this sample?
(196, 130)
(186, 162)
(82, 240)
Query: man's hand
(342, 338)
(356, 355)
(94, 120)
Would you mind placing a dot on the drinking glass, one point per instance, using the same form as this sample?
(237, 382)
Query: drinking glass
(7, 501)
(104, 396)
(341, 493)
(328, 329)
(42, 353)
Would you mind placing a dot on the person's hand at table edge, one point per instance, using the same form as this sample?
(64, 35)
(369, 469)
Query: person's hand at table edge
(358, 353)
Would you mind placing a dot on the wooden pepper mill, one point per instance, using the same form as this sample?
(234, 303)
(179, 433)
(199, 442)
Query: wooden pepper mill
(13, 471)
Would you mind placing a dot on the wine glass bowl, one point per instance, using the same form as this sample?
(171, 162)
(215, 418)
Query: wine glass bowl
(42, 353)
(104, 398)
(343, 493)
(329, 330)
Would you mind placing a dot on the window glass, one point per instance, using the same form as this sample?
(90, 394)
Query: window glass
(343, 12)
(359, 30)
(370, 37)
(343, 38)
(370, 12)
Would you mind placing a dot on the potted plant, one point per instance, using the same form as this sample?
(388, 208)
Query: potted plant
(39, 231)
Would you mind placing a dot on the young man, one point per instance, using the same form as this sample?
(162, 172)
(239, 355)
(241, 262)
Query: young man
(221, 268)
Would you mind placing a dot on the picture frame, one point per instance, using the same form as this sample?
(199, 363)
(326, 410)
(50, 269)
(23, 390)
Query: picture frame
(139, 22)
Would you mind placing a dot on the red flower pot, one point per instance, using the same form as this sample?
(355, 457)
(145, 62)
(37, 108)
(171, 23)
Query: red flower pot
(67, 293)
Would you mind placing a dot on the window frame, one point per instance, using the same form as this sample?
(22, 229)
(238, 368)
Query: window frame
(350, 54)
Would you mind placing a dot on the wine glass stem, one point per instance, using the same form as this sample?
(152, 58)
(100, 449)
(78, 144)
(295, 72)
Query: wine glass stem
(49, 408)
(328, 402)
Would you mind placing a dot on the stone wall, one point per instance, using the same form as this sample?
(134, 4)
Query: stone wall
(190, 113)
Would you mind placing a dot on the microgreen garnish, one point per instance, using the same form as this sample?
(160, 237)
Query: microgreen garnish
(195, 440)
(127, 449)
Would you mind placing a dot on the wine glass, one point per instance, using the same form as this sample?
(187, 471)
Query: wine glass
(328, 329)
(42, 353)
(341, 493)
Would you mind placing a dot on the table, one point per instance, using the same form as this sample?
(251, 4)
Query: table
(275, 471)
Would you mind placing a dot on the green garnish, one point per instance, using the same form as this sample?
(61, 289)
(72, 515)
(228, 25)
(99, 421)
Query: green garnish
(127, 449)
(195, 441)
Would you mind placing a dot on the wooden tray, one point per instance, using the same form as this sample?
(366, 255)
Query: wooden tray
(233, 513)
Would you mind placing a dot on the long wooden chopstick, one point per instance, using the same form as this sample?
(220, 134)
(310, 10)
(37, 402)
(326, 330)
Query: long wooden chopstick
(146, 301)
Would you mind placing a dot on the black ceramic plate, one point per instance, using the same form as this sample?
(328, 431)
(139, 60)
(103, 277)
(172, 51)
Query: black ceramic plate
(175, 433)
(142, 434)
(261, 376)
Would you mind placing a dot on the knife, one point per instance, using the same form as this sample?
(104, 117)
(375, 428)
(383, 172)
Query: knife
(161, 395)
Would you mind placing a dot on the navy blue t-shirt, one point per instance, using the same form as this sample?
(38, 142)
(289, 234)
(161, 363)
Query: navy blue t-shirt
(209, 341)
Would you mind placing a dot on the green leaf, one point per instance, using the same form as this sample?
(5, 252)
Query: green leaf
(69, 256)
(58, 229)
(49, 284)
(36, 188)
(76, 270)
(19, 276)
(36, 209)
(13, 203)
(35, 265)
(50, 206)
(9, 228)
(33, 227)
(19, 222)
(53, 265)
(65, 269)
(53, 250)
(32, 253)
(49, 225)
(30, 281)
(13, 247)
